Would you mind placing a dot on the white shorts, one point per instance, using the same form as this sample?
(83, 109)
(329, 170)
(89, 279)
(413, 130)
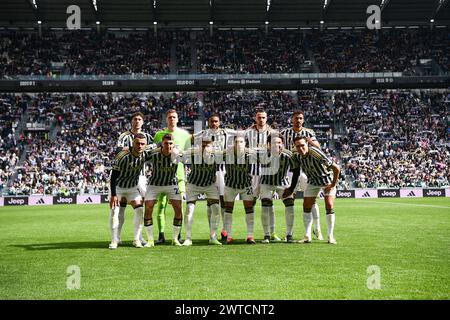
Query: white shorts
(142, 185)
(256, 185)
(268, 191)
(301, 183)
(245, 194)
(220, 179)
(131, 194)
(172, 192)
(193, 191)
(313, 191)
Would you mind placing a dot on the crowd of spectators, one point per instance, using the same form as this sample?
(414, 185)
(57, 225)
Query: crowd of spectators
(389, 138)
(183, 51)
(223, 52)
(78, 160)
(250, 52)
(84, 53)
(395, 138)
(386, 50)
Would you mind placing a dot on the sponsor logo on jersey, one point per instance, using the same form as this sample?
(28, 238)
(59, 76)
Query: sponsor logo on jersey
(434, 193)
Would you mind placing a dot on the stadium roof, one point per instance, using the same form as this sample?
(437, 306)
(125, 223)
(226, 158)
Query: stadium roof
(199, 13)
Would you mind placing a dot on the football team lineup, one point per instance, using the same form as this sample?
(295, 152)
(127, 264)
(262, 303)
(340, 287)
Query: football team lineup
(258, 163)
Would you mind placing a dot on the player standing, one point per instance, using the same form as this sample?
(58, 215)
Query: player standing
(125, 142)
(256, 137)
(202, 180)
(221, 138)
(164, 162)
(323, 174)
(124, 184)
(289, 134)
(181, 139)
(238, 181)
(274, 180)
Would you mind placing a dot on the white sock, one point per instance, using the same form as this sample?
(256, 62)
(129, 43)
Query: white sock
(138, 221)
(228, 219)
(176, 232)
(265, 220)
(222, 214)
(316, 217)
(114, 224)
(330, 224)
(272, 219)
(215, 216)
(121, 220)
(149, 230)
(189, 219)
(290, 217)
(209, 212)
(307, 221)
(250, 220)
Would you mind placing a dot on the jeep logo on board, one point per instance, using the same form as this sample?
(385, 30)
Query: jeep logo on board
(63, 200)
(385, 193)
(345, 194)
(16, 201)
(434, 193)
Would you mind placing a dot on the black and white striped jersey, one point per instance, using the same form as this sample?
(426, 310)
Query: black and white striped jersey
(129, 167)
(126, 139)
(275, 168)
(238, 168)
(203, 167)
(316, 165)
(290, 134)
(164, 168)
(256, 140)
(222, 139)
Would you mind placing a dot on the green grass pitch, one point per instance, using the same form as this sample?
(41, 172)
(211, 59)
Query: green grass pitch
(407, 239)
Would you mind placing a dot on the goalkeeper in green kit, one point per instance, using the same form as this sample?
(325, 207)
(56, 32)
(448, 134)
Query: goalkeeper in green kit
(182, 140)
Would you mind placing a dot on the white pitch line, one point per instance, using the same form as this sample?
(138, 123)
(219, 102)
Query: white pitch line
(410, 204)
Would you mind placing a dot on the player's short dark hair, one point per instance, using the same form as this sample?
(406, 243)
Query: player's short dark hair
(168, 136)
(260, 110)
(299, 138)
(297, 112)
(137, 114)
(214, 115)
(273, 136)
(139, 136)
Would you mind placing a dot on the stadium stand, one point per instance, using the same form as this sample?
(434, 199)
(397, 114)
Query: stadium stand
(411, 51)
(384, 138)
